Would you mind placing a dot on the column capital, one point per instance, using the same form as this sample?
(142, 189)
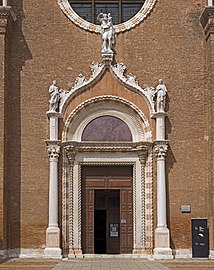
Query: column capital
(53, 114)
(142, 153)
(7, 17)
(53, 148)
(161, 148)
(71, 153)
(207, 20)
(159, 115)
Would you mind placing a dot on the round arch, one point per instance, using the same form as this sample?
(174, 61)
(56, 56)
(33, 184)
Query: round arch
(117, 107)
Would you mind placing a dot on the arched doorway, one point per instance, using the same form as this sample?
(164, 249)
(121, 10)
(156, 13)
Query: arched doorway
(127, 224)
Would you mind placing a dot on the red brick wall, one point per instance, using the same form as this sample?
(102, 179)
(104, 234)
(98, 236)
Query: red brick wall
(169, 44)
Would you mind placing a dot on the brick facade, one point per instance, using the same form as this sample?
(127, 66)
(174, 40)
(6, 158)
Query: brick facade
(44, 45)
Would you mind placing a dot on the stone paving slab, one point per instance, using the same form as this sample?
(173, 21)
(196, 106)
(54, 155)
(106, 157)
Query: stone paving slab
(106, 264)
(110, 264)
(27, 264)
(190, 264)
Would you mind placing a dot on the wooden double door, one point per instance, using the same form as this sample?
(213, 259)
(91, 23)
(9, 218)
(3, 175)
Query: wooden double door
(107, 214)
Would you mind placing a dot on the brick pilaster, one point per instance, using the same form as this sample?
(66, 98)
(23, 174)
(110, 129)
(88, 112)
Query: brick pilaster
(207, 21)
(7, 17)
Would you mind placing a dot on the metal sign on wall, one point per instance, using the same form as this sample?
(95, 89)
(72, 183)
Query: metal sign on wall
(200, 239)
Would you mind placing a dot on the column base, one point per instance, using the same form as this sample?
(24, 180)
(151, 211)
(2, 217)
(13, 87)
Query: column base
(53, 249)
(52, 253)
(75, 253)
(163, 254)
(138, 251)
(162, 244)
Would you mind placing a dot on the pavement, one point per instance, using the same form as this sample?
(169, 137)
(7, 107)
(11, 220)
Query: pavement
(105, 264)
(110, 264)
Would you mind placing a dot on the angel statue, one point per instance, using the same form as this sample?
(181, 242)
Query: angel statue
(55, 97)
(108, 32)
(161, 96)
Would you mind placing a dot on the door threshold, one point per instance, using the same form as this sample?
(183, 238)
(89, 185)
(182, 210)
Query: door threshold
(117, 256)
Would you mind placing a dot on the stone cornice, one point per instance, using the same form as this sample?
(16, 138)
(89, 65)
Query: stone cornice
(7, 17)
(138, 147)
(207, 20)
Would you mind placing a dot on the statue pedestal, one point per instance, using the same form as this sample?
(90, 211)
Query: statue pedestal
(107, 58)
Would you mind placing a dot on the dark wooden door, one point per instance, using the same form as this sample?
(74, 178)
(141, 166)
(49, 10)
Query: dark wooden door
(126, 221)
(107, 200)
(88, 221)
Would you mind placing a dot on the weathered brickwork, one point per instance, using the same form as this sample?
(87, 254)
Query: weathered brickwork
(44, 45)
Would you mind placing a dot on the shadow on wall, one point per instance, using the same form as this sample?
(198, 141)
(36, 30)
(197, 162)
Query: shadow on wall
(17, 52)
(170, 161)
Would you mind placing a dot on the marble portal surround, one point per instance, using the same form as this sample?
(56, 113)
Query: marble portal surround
(73, 160)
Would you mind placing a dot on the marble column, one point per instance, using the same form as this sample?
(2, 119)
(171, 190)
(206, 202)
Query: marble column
(52, 249)
(162, 237)
(210, 2)
(4, 3)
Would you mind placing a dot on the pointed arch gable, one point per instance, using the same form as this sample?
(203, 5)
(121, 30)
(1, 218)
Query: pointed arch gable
(114, 76)
(108, 85)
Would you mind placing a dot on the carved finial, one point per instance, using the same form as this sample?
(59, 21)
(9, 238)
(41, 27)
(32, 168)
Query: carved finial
(80, 80)
(54, 97)
(108, 36)
(161, 96)
(131, 79)
(95, 69)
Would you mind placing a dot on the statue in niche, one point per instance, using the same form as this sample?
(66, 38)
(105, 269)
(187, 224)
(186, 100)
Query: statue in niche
(161, 96)
(55, 97)
(108, 32)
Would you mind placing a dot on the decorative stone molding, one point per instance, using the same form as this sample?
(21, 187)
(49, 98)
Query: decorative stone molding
(72, 147)
(7, 18)
(135, 119)
(97, 70)
(207, 20)
(161, 148)
(53, 114)
(135, 20)
(131, 82)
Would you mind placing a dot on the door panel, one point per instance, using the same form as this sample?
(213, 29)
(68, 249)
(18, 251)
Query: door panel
(89, 221)
(107, 210)
(126, 221)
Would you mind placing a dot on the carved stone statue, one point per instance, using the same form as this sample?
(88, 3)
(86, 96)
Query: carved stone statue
(108, 32)
(54, 97)
(161, 96)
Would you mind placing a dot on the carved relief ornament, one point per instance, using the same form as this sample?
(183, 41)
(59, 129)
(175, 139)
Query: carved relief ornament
(160, 149)
(97, 70)
(207, 20)
(53, 151)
